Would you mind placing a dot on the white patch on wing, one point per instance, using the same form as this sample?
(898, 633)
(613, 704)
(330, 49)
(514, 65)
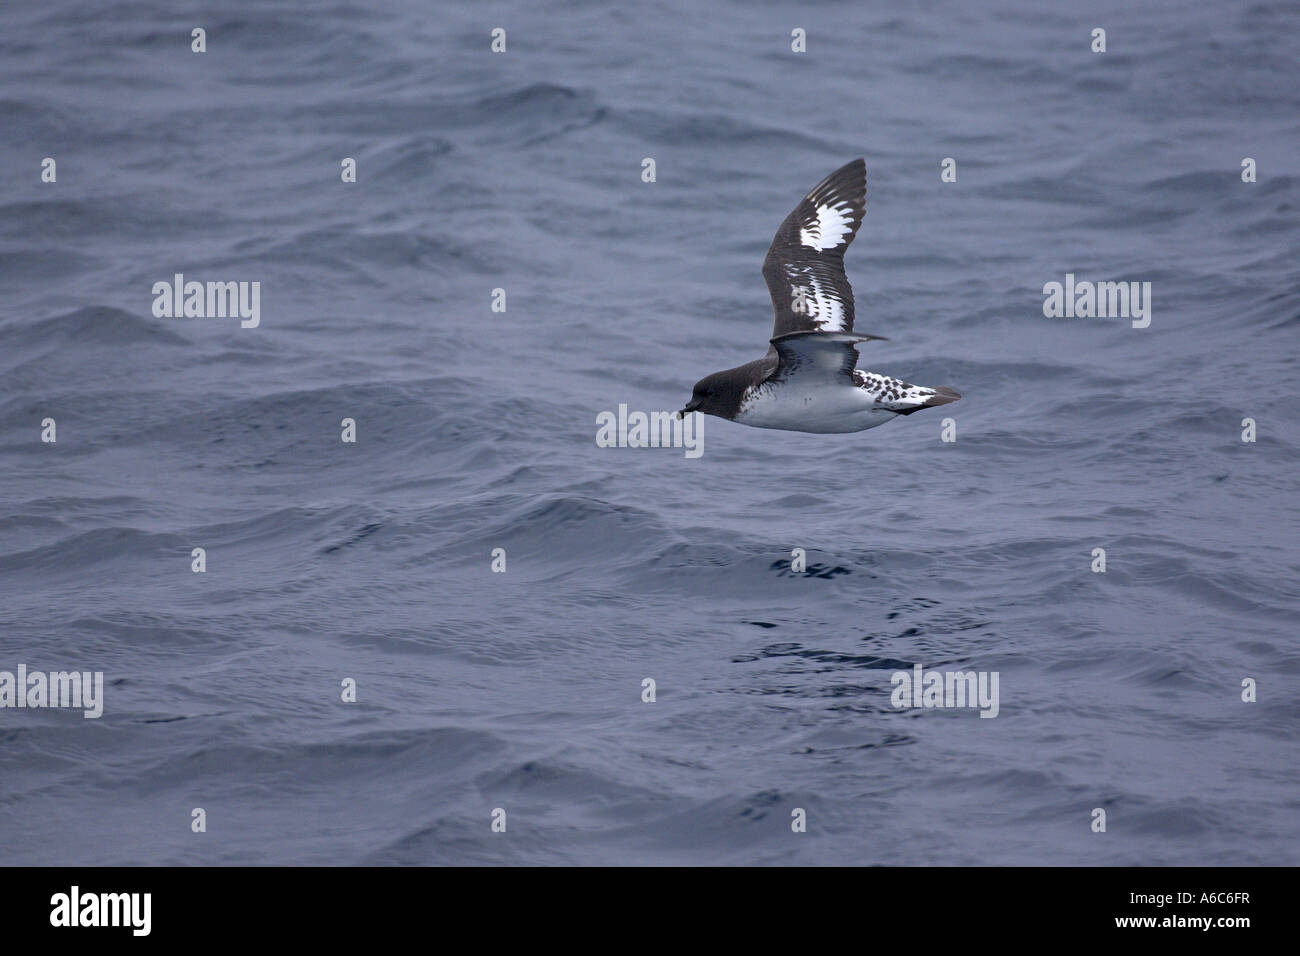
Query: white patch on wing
(832, 225)
(810, 299)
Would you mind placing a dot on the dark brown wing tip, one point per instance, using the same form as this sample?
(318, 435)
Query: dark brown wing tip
(851, 177)
(943, 395)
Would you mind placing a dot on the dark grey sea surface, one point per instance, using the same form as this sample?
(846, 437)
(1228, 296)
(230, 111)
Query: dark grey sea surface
(476, 431)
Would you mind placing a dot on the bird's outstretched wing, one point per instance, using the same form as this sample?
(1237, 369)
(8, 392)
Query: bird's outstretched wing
(804, 267)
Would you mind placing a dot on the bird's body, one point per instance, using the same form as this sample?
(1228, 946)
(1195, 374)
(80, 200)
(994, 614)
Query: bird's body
(808, 380)
(817, 409)
(853, 406)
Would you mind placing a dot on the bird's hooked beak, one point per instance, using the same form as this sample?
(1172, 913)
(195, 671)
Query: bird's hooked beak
(691, 406)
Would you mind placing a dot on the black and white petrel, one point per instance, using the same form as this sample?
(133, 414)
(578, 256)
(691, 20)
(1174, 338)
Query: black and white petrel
(809, 381)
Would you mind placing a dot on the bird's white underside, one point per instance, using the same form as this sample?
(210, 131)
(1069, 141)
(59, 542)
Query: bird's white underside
(812, 405)
(814, 398)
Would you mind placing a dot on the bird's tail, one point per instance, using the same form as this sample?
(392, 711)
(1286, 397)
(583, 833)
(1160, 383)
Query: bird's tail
(917, 397)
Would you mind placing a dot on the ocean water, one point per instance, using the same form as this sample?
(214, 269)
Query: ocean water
(522, 691)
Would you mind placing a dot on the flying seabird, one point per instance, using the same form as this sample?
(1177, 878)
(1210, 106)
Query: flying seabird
(809, 380)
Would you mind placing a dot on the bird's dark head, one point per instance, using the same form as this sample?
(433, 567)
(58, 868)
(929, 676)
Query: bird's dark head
(712, 395)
